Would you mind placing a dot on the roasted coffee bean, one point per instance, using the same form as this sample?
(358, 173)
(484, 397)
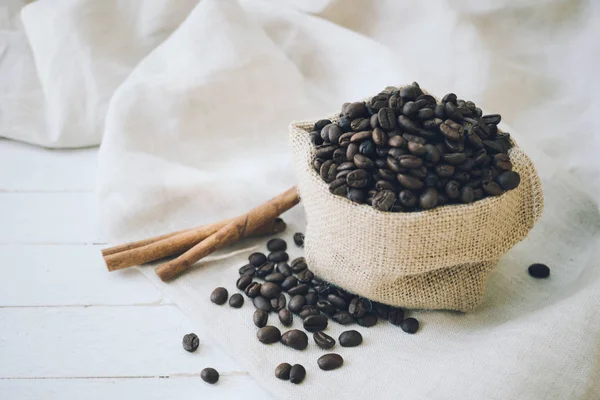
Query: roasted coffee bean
(410, 161)
(315, 323)
(352, 150)
(444, 170)
(317, 164)
(432, 124)
(297, 373)
(380, 138)
(395, 315)
(450, 97)
(368, 320)
(410, 182)
(344, 140)
(190, 342)
(278, 256)
(301, 289)
(284, 269)
(308, 310)
(247, 269)
(425, 113)
(409, 325)
(466, 194)
(296, 303)
(343, 318)
(275, 277)
(243, 282)
(408, 125)
(219, 296)
(397, 142)
(326, 307)
(257, 259)
(410, 108)
(323, 340)
(285, 317)
(387, 118)
(493, 119)
(337, 301)
(236, 300)
(362, 162)
(288, 283)
(358, 178)
(492, 188)
(452, 189)
(325, 132)
(296, 339)
(311, 298)
(265, 270)
(306, 276)
(276, 245)
(278, 303)
(407, 198)
(385, 185)
(270, 290)
(428, 199)
(454, 147)
(260, 318)
(478, 193)
(417, 148)
(344, 123)
(382, 310)
(350, 338)
(356, 195)
(298, 265)
(282, 371)
(209, 375)
(539, 270)
(268, 334)
(356, 110)
(334, 134)
(328, 171)
(453, 112)
(475, 183)
(330, 361)
(410, 92)
(509, 180)
(253, 289)
(262, 303)
(454, 158)
(320, 124)
(440, 111)
(360, 124)
(299, 239)
(384, 200)
(367, 148)
(358, 307)
(339, 186)
(361, 136)
(502, 161)
(493, 146)
(325, 150)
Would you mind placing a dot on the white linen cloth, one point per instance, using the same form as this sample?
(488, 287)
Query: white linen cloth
(193, 100)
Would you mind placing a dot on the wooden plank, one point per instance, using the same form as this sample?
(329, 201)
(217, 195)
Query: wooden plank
(48, 218)
(68, 275)
(102, 342)
(26, 168)
(231, 386)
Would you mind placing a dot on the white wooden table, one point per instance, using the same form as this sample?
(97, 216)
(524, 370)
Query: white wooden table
(68, 328)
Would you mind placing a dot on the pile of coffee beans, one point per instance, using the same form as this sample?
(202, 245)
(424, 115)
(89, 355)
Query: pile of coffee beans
(405, 151)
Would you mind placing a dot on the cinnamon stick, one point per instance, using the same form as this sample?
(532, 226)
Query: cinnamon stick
(230, 233)
(144, 251)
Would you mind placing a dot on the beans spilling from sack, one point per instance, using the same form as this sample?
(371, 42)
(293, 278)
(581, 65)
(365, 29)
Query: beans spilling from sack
(405, 151)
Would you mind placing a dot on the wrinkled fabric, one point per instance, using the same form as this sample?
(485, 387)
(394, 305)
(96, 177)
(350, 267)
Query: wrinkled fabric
(191, 101)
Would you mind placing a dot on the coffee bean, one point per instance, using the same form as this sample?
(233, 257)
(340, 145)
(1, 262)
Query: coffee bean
(219, 296)
(285, 317)
(428, 199)
(339, 186)
(276, 244)
(297, 373)
(311, 298)
(190, 342)
(330, 361)
(328, 171)
(509, 180)
(282, 371)
(278, 256)
(356, 195)
(491, 119)
(268, 334)
(262, 303)
(410, 182)
(337, 301)
(466, 194)
(247, 269)
(334, 133)
(265, 270)
(478, 193)
(275, 277)
(343, 318)
(284, 269)
(360, 124)
(539, 270)
(270, 290)
(454, 158)
(362, 162)
(320, 124)
(397, 142)
(410, 161)
(305, 276)
(209, 375)
(278, 303)
(358, 178)
(253, 289)
(450, 97)
(243, 282)
(323, 340)
(260, 318)
(492, 188)
(409, 92)
(296, 339)
(308, 310)
(382, 310)
(387, 118)
(300, 289)
(452, 189)
(257, 259)
(384, 200)
(407, 198)
(236, 300)
(409, 325)
(359, 306)
(288, 283)
(315, 323)
(395, 315)
(408, 125)
(350, 338)
(299, 239)
(502, 161)
(367, 320)
(352, 150)
(326, 307)
(356, 110)
(296, 303)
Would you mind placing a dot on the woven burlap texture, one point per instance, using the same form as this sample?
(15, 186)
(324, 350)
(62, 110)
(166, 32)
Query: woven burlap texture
(435, 259)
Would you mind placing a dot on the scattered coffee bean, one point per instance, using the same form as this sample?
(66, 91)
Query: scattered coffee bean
(257, 259)
(284, 269)
(247, 269)
(278, 303)
(275, 277)
(343, 318)
(299, 289)
(323, 340)
(368, 320)
(326, 307)
(276, 244)
(311, 298)
(288, 283)
(265, 269)
(285, 317)
(296, 339)
(236, 300)
(190, 342)
(260, 318)
(282, 371)
(278, 256)
(296, 303)
(509, 180)
(330, 361)
(243, 282)
(350, 338)
(539, 270)
(253, 290)
(268, 334)
(337, 301)
(270, 290)
(209, 375)
(307, 311)
(359, 307)
(382, 310)
(297, 373)
(409, 325)
(315, 323)
(298, 265)
(395, 315)
(262, 303)
(299, 238)
(305, 276)
(219, 296)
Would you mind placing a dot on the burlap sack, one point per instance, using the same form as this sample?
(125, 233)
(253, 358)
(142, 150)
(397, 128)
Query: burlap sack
(435, 259)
